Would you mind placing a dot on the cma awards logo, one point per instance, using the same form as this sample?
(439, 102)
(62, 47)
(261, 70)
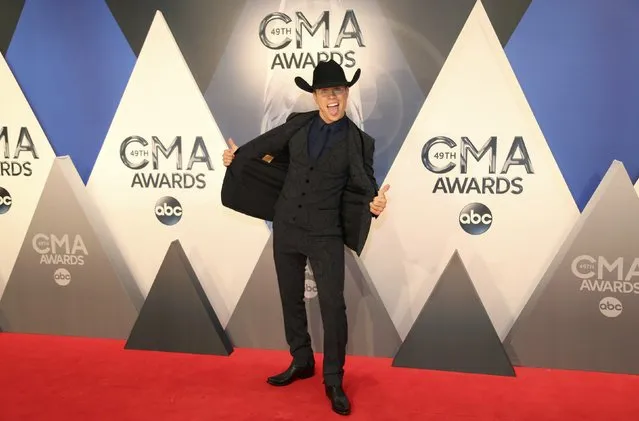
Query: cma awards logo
(600, 275)
(18, 151)
(279, 30)
(168, 210)
(5, 201)
(442, 155)
(60, 250)
(170, 170)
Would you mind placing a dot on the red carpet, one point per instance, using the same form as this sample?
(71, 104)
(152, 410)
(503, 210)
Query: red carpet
(56, 378)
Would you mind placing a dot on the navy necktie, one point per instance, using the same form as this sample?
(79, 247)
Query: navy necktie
(319, 142)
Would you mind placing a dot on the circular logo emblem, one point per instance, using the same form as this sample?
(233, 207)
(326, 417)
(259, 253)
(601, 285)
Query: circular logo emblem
(610, 307)
(62, 277)
(310, 287)
(5, 201)
(168, 210)
(475, 218)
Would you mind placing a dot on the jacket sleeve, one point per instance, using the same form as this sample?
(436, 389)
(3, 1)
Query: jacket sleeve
(272, 142)
(369, 153)
(291, 115)
(253, 181)
(267, 142)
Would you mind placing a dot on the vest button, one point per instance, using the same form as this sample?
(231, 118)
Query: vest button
(299, 206)
(308, 181)
(311, 168)
(303, 193)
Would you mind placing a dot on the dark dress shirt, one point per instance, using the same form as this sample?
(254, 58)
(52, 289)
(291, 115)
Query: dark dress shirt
(321, 134)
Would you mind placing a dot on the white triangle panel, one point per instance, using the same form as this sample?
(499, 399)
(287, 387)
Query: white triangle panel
(475, 98)
(164, 148)
(26, 157)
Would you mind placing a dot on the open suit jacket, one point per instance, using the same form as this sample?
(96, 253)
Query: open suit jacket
(254, 180)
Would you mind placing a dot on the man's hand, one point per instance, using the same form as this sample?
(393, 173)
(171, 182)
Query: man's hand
(229, 154)
(379, 202)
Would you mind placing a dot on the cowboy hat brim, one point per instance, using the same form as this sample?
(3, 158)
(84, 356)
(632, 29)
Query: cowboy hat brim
(305, 86)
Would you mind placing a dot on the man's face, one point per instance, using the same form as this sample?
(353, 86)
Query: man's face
(331, 102)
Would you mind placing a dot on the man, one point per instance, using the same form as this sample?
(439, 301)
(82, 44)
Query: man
(313, 177)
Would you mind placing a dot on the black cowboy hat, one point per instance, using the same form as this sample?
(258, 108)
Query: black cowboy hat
(326, 75)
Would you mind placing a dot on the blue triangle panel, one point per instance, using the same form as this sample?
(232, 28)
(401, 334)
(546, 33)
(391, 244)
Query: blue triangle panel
(72, 62)
(578, 64)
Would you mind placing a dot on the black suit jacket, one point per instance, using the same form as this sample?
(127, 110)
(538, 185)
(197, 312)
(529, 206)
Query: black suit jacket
(254, 180)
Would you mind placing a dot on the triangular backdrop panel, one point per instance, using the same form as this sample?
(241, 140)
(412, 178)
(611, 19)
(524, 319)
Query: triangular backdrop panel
(583, 315)
(25, 160)
(10, 12)
(258, 322)
(453, 331)
(474, 174)
(201, 28)
(637, 187)
(577, 62)
(159, 174)
(72, 63)
(63, 282)
(505, 15)
(429, 28)
(253, 87)
(177, 316)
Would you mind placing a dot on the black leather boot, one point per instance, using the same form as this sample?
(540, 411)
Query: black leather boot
(292, 373)
(339, 400)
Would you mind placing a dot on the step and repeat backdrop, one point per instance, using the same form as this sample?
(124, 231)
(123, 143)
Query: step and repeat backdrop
(504, 127)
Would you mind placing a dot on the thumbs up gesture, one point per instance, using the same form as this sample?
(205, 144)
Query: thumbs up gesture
(229, 154)
(379, 202)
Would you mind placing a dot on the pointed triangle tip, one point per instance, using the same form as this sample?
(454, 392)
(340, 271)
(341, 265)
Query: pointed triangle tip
(158, 15)
(617, 163)
(615, 168)
(177, 315)
(455, 259)
(454, 303)
(158, 19)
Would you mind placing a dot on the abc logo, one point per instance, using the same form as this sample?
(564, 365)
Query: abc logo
(475, 218)
(168, 210)
(610, 307)
(62, 277)
(310, 289)
(5, 201)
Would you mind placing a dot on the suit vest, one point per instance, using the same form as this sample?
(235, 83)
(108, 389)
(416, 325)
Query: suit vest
(312, 191)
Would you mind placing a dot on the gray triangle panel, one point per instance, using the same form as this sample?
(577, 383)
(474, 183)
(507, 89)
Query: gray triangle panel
(10, 12)
(177, 315)
(420, 26)
(63, 282)
(453, 332)
(201, 28)
(505, 15)
(257, 320)
(584, 313)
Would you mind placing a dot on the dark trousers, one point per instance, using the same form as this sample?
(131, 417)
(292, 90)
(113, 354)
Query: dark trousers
(291, 247)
